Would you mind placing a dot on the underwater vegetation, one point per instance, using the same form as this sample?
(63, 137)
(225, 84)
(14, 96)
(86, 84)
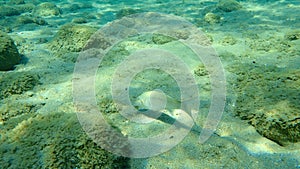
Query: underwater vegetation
(268, 99)
(9, 55)
(71, 38)
(54, 140)
(17, 83)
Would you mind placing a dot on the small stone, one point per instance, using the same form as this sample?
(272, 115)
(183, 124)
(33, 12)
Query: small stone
(16, 2)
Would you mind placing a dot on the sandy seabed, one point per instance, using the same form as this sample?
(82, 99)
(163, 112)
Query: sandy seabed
(258, 43)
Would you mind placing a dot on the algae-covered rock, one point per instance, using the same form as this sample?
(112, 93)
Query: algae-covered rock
(6, 10)
(268, 98)
(126, 11)
(229, 5)
(228, 56)
(16, 2)
(161, 39)
(53, 140)
(200, 70)
(79, 20)
(28, 7)
(27, 19)
(212, 18)
(279, 122)
(268, 44)
(71, 38)
(17, 83)
(228, 40)
(13, 108)
(9, 55)
(107, 106)
(293, 35)
(24, 20)
(47, 9)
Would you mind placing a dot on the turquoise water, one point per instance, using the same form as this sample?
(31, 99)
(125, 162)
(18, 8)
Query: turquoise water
(150, 84)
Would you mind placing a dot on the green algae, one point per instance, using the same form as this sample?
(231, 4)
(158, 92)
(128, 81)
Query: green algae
(47, 9)
(161, 39)
(228, 40)
(292, 35)
(228, 5)
(125, 12)
(12, 108)
(16, 2)
(6, 10)
(200, 70)
(17, 83)
(212, 18)
(53, 140)
(71, 38)
(268, 99)
(9, 55)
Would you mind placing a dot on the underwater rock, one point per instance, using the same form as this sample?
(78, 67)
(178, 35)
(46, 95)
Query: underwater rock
(228, 56)
(228, 5)
(6, 10)
(13, 108)
(292, 35)
(16, 2)
(126, 11)
(212, 18)
(24, 20)
(161, 39)
(228, 40)
(17, 83)
(268, 44)
(39, 21)
(279, 122)
(5, 29)
(79, 20)
(53, 140)
(9, 55)
(18, 22)
(23, 8)
(108, 107)
(27, 19)
(47, 9)
(268, 99)
(71, 38)
(76, 7)
(200, 70)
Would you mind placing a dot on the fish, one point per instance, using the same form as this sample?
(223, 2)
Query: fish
(157, 105)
